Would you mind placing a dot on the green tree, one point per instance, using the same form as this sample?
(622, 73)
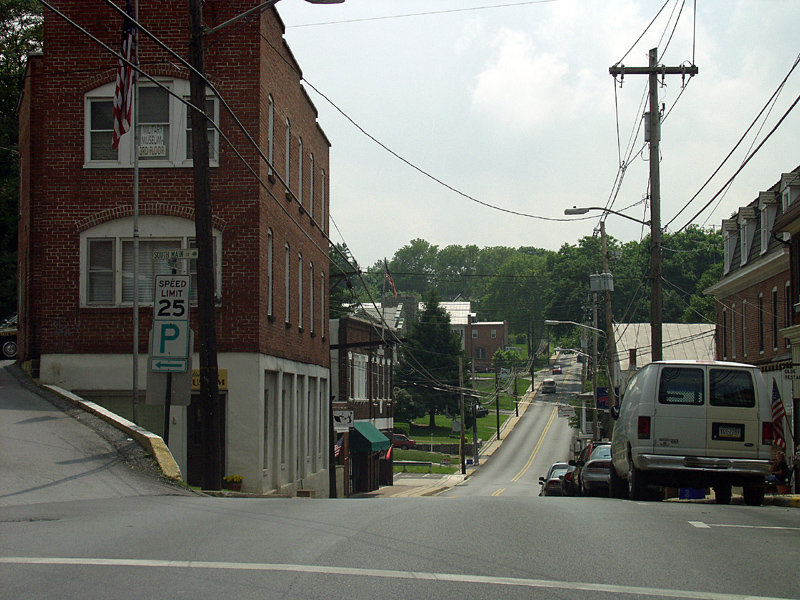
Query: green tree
(343, 282)
(428, 364)
(20, 34)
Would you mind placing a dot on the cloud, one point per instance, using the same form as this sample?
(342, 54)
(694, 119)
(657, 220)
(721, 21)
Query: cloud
(523, 88)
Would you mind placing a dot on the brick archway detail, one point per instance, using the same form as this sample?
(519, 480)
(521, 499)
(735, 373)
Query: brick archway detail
(146, 208)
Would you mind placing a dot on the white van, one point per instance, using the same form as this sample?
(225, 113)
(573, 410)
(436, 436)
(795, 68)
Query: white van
(549, 386)
(693, 424)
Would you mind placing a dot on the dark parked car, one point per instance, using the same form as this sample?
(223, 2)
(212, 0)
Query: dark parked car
(480, 410)
(402, 441)
(8, 337)
(593, 468)
(553, 483)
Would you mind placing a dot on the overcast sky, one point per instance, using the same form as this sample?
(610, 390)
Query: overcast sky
(514, 106)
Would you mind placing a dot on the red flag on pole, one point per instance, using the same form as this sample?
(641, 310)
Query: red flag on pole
(123, 94)
(778, 415)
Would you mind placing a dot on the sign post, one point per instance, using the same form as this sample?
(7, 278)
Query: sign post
(170, 342)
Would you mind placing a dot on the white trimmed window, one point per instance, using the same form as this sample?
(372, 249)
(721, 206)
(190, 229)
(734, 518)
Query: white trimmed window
(311, 295)
(311, 186)
(270, 272)
(322, 303)
(288, 157)
(300, 291)
(300, 170)
(733, 330)
(322, 219)
(287, 282)
(165, 131)
(270, 134)
(107, 259)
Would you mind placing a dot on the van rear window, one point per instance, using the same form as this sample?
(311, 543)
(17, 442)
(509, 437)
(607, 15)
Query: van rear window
(681, 386)
(728, 387)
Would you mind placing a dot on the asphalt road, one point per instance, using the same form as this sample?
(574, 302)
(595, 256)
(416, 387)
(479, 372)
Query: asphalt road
(123, 539)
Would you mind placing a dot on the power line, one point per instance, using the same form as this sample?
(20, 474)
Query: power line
(422, 14)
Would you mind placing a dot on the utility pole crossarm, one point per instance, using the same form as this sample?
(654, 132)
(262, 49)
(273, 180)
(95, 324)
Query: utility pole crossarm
(623, 70)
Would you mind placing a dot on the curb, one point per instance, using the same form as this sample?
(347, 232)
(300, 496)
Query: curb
(149, 441)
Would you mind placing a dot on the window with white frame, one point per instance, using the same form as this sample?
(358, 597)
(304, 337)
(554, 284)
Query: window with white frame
(107, 259)
(733, 330)
(474, 334)
(761, 323)
(724, 333)
(164, 128)
(743, 245)
(300, 291)
(311, 295)
(744, 328)
(322, 297)
(300, 170)
(270, 133)
(323, 221)
(287, 282)
(775, 318)
(768, 212)
(270, 271)
(311, 185)
(494, 334)
(288, 157)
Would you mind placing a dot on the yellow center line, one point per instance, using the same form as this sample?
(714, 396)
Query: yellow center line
(498, 492)
(537, 447)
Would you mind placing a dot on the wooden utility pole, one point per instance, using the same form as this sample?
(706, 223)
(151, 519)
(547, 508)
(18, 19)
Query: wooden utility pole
(461, 405)
(211, 430)
(654, 127)
(611, 343)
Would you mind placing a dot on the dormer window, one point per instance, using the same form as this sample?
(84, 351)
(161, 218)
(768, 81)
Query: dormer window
(747, 220)
(768, 209)
(729, 236)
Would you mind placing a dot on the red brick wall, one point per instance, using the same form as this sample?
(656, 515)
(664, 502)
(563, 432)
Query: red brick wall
(58, 197)
(749, 335)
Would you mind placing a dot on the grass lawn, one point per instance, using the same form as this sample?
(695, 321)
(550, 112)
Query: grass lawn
(442, 433)
(421, 456)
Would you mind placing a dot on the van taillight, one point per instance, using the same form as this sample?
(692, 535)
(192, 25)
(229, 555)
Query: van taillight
(767, 436)
(644, 428)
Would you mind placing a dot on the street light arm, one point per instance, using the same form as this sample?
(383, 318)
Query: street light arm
(589, 327)
(582, 210)
(261, 8)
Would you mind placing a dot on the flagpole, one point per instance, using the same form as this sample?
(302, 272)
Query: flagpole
(136, 223)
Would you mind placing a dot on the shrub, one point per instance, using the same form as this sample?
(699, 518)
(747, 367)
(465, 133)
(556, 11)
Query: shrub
(404, 428)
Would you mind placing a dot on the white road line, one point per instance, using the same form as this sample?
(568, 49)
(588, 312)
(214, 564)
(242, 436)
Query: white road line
(701, 525)
(381, 573)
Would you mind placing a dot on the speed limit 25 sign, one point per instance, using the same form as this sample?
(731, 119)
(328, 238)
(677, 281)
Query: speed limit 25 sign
(169, 351)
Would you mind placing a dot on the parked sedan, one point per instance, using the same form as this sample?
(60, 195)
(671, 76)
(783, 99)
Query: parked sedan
(402, 441)
(553, 483)
(593, 469)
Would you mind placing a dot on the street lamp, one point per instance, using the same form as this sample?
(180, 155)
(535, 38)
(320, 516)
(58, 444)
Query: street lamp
(582, 210)
(555, 322)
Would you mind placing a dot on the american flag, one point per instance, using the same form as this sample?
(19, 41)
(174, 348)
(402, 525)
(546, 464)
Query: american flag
(778, 415)
(388, 277)
(337, 448)
(123, 94)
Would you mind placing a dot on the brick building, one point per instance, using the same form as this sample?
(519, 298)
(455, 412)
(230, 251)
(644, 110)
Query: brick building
(482, 340)
(362, 361)
(757, 292)
(270, 248)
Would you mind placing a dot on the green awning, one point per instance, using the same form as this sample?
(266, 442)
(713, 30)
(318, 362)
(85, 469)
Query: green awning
(367, 438)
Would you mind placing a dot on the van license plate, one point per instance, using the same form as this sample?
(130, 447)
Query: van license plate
(728, 431)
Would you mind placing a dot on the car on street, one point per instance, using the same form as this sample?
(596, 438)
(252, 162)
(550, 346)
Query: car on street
(402, 441)
(549, 386)
(8, 337)
(557, 370)
(592, 470)
(553, 483)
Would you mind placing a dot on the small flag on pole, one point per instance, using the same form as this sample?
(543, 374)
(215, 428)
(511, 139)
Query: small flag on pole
(778, 415)
(388, 277)
(123, 93)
